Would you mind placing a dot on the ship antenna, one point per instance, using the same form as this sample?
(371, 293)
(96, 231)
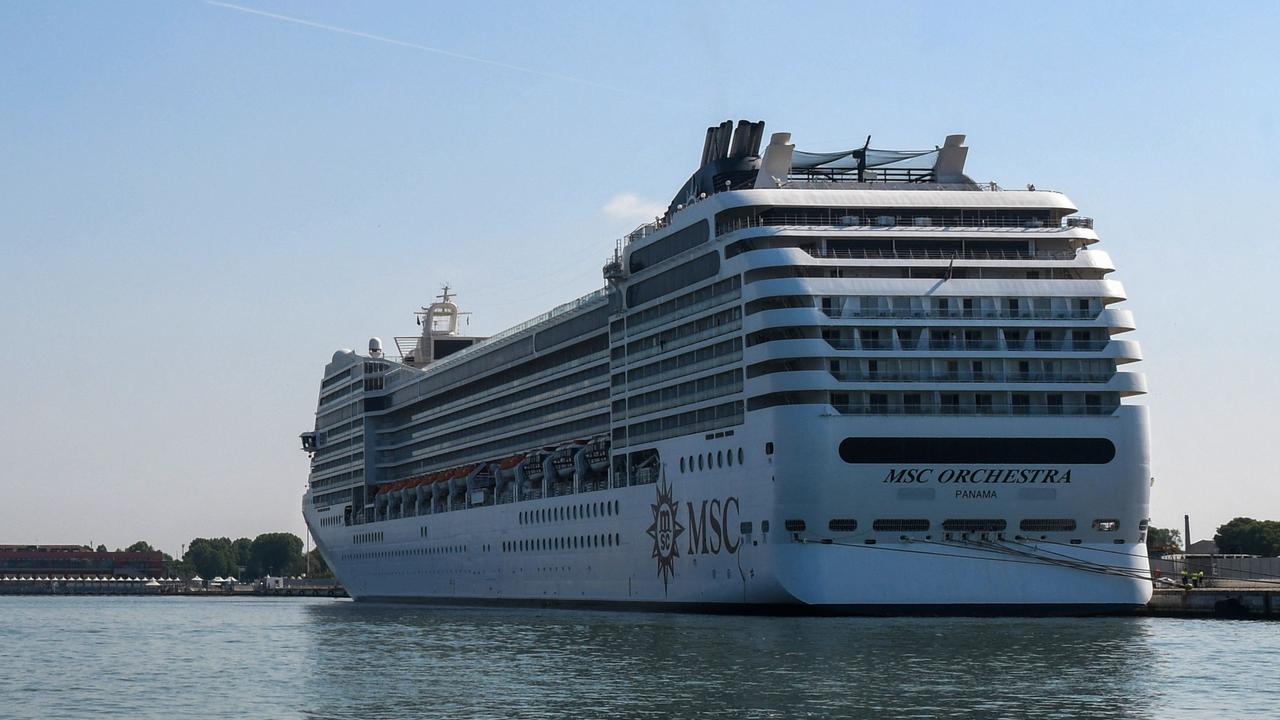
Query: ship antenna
(862, 160)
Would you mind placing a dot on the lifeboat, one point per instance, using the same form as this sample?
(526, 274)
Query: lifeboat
(507, 467)
(439, 494)
(563, 458)
(530, 473)
(598, 454)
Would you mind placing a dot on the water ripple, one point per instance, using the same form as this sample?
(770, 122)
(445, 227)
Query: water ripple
(163, 657)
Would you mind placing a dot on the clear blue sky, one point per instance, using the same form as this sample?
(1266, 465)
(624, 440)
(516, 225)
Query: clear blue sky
(198, 204)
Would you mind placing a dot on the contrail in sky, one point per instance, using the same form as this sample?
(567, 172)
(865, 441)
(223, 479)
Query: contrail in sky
(424, 48)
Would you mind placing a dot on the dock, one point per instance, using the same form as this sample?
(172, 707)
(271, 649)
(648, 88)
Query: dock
(268, 587)
(1239, 602)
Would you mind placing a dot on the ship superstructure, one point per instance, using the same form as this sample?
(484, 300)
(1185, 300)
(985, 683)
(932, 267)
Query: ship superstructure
(853, 381)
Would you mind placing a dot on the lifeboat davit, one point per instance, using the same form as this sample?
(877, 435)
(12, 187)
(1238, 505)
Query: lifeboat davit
(507, 467)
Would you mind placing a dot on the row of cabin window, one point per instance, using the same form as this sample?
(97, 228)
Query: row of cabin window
(570, 512)
(1101, 368)
(571, 542)
(541, 436)
(718, 459)
(435, 391)
(493, 427)
(1016, 400)
(406, 552)
(972, 307)
(534, 391)
(963, 525)
(338, 462)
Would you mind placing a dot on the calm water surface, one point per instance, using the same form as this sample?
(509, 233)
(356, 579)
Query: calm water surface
(170, 657)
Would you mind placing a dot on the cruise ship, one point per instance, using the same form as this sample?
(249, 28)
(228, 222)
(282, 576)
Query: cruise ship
(831, 382)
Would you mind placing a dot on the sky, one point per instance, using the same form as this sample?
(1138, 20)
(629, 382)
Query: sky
(201, 201)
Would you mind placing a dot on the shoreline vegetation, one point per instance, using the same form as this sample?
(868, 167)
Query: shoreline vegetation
(269, 554)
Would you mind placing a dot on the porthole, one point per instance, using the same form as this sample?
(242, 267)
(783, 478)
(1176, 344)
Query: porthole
(709, 456)
(681, 464)
(719, 458)
(740, 456)
(728, 457)
(699, 462)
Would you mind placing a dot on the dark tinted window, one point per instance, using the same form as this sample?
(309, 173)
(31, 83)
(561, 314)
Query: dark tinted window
(676, 278)
(672, 245)
(900, 525)
(918, 450)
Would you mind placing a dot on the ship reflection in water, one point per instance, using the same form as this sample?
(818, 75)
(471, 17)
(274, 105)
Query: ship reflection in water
(386, 661)
(123, 657)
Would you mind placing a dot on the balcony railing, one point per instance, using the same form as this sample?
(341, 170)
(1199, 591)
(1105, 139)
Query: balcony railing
(945, 344)
(961, 313)
(972, 409)
(974, 377)
(898, 223)
(935, 254)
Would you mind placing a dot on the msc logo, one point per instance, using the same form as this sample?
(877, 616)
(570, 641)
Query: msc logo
(709, 529)
(665, 531)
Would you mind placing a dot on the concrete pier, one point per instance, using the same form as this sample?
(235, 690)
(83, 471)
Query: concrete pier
(1217, 602)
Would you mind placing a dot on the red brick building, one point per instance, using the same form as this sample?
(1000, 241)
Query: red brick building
(77, 561)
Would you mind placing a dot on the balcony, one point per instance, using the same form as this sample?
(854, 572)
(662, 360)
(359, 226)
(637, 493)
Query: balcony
(901, 223)
(921, 254)
(945, 344)
(974, 377)
(959, 314)
(974, 409)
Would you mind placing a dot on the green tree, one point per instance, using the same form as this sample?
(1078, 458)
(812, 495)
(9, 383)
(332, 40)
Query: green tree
(211, 557)
(101, 548)
(140, 546)
(317, 567)
(240, 549)
(178, 568)
(1164, 539)
(1249, 537)
(275, 554)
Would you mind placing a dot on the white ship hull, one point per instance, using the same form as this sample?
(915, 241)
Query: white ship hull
(474, 556)
(819, 382)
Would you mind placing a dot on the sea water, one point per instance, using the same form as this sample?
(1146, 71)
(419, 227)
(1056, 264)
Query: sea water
(167, 657)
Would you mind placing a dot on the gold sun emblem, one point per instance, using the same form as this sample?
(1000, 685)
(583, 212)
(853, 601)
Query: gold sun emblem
(665, 531)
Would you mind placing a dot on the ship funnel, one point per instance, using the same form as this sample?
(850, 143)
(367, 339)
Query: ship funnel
(776, 164)
(949, 167)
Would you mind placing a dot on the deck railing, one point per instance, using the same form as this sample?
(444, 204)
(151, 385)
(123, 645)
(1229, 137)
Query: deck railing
(899, 223)
(960, 313)
(936, 254)
(974, 377)
(972, 409)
